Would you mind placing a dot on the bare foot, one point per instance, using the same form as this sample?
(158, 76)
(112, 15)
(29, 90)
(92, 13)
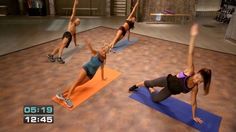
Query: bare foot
(152, 90)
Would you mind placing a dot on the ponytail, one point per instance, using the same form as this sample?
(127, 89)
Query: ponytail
(206, 75)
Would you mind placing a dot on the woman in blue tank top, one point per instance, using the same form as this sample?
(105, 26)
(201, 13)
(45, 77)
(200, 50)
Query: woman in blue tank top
(183, 82)
(87, 71)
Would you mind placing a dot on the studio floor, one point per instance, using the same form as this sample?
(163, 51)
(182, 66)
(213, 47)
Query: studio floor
(28, 78)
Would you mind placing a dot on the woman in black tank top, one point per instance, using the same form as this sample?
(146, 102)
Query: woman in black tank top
(183, 82)
(129, 24)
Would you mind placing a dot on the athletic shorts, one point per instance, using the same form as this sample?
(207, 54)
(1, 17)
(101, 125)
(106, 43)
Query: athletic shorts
(123, 30)
(67, 35)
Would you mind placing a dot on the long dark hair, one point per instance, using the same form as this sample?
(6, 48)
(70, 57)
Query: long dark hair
(206, 75)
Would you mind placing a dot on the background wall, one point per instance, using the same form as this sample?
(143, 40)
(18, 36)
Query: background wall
(146, 7)
(157, 6)
(100, 4)
(208, 5)
(12, 6)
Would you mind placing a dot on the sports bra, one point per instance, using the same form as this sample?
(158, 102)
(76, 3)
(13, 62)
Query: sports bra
(178, 84)
(130, 23)
(183, 78)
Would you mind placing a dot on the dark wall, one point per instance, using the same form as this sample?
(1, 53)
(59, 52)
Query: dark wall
(100, 4)
(229, 2)
(13, 8)
(158, 6)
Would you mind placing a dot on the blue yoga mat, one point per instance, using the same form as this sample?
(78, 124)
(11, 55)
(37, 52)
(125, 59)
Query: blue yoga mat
(179, 110)
(123, 44)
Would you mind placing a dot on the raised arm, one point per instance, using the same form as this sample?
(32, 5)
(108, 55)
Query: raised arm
(74, 10)
(134, 9)
(88, 43)
(190, 66)
(194, 105)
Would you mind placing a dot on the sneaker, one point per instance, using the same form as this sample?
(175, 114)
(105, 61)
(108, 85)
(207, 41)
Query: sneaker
(68, 103)
(51, 58)
(60, 96)
(60, 60)
(133, 88)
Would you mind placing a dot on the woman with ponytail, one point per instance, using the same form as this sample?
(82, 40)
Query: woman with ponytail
(183, 82)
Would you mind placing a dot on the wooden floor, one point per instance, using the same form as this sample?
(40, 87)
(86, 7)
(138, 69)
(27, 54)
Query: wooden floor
(28, 78)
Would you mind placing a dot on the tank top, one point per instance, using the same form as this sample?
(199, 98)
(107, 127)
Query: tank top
(183, 78)
(93, 64)
(130, 23)
(178, 84)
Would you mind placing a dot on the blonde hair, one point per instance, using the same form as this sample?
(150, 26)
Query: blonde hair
(107, 47)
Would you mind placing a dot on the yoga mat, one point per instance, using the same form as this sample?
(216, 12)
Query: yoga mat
(179, 110)
(123, 44)
(83, 92)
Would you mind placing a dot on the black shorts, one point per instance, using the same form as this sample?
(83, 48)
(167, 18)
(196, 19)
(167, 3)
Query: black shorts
(67, 35)
(89, 74)
(123, 30)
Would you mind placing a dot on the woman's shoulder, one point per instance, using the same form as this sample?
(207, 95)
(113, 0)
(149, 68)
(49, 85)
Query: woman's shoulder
(128, 20)
(101, 57)
(188, 72)
(181, 74)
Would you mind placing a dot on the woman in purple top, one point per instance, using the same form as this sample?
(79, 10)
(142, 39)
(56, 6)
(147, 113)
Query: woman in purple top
(183, 82)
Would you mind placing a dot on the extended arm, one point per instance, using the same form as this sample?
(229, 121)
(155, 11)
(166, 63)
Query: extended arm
(94, 52)
(102, 71)
(74, 10)
(128, 34)
(190, 65)
(194, 105)
(134, 9)
(75, 42)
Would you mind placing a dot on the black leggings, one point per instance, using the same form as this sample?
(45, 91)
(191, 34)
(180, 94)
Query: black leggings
(159, 82)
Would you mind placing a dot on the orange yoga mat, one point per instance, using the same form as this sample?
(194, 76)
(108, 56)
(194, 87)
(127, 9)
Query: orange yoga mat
(83, 92)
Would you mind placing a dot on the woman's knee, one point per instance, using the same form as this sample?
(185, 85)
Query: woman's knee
(63, 43)
(155, 98)
(160, 82)
(148, 83)
(62, 46)
(160, 96)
